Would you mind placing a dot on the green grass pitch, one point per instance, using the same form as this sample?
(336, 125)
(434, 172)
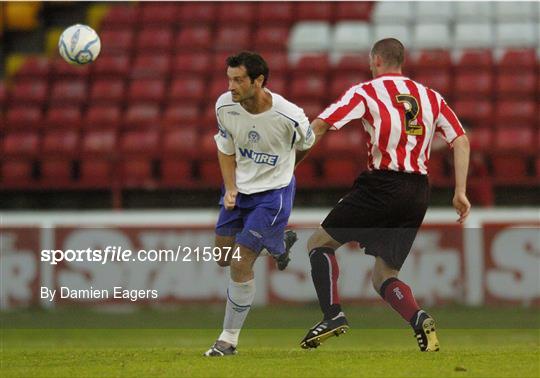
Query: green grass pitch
(474, 343)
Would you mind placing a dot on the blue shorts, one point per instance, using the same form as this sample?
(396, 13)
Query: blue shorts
(258, 220)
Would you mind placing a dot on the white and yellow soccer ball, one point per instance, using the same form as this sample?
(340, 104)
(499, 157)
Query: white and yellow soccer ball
(79, 44)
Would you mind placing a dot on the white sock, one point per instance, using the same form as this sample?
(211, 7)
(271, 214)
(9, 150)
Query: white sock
(239, 299)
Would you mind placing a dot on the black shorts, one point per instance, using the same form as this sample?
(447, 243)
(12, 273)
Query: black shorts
(382, 212)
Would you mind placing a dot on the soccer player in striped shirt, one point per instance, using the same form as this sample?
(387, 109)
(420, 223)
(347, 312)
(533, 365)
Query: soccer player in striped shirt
(388, 202)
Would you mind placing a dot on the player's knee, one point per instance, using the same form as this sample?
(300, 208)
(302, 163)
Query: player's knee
(321, 239)
(223, 262)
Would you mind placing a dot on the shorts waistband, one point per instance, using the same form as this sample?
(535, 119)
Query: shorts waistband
(390, 173)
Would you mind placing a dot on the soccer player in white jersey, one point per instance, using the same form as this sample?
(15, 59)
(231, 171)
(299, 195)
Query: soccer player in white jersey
(388, 202)
(260, 137)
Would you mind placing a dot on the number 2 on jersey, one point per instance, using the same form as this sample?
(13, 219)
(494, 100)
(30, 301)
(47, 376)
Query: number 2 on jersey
(411, 112)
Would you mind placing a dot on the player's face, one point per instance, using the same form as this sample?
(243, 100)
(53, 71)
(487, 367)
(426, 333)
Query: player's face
(240, 84)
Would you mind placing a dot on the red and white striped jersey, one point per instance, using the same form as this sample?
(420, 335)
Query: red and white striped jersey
(400, 117)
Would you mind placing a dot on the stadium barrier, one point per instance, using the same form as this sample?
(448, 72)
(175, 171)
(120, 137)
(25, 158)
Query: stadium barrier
(493, 259)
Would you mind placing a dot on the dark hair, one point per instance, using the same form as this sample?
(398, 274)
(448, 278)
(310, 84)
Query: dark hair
(390, 50)
(254, 63)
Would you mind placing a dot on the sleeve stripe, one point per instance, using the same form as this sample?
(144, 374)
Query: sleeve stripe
(338, 111)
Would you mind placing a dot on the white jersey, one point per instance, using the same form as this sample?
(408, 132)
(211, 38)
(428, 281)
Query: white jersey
(264, 143)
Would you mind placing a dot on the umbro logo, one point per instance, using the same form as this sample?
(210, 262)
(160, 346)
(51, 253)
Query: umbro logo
(233, 113)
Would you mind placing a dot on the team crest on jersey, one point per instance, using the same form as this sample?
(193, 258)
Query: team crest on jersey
(253, 136)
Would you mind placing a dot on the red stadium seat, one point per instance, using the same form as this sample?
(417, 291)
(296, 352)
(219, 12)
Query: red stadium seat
(151, 66)
(277, 84)
(353, 63)
(306, 174)
(138, 149)
(176, 173)
(21, 144)
(311, 64)
(515, 138)
(481, 139)
(97, 174)
(473, 85)
(121, 17)
(65, 117)
(275, 13)
(103, 117)
(344, 143)
(181, 143)
(161, 14)
(146, 91)
(143, 116)
(475, 60)
(433, 60)
(210, 173)
(277, 61)
(272, 38)
(155, 39)
(191, 63)
(235, 13)
(207, 146)
(515, 112)
(140, 142)
(107, 91)
(181, 114)
(69, 92)
(3, 95)
(342, 82)
(440, 81)
(311, 87)
(117, 41)
(34, 67)
(353, 10)
(23, 117)
(190, 89)
(515, 60)
(232, 38)
(96, 166)
(311, 10)
(59, 149)
(219, 62)
(518, 85)
(537, 166)
(199, 13)
(475, 113)
(29, 92)
(61, 70)
(312, 108)
(437, 169)
(509, 169)
(114, 66)
(208, 119)
(194, 38)
(16, 173)
(218, 86)
(339, 172)
(98, 143)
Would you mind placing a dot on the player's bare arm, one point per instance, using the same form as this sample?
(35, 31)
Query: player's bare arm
(227, 164)
(461, 165)
(319, 128)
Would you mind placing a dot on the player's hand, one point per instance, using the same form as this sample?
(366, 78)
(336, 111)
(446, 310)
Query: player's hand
(462, 206)
(229, 199)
